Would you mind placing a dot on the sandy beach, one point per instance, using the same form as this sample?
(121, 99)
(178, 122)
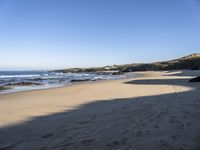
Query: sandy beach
(155, 111)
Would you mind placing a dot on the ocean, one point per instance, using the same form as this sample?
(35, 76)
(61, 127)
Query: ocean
(32, 80)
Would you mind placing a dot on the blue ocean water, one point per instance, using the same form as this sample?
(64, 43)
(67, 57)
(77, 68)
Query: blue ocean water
(46, 79)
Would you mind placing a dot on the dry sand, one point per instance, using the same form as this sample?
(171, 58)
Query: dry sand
(157, 111)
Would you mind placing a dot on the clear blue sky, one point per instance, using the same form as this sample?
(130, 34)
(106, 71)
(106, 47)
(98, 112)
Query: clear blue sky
(49, 34)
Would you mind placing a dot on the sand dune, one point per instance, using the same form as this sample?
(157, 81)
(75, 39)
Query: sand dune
(159, 110)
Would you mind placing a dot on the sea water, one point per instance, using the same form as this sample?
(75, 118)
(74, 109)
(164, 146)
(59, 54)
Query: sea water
(46, 79)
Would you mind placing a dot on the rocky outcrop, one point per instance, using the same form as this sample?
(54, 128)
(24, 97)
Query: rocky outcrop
(4, 88)
(191, 62)
(22, 84)
(197, 79)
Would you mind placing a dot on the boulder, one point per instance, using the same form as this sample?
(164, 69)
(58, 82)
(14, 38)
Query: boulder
(197, 79)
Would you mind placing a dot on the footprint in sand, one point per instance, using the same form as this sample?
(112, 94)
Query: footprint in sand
(182, 126)
(188, 124)
(183, 147)
(47, 136)
(125, 131)
(150, 120)
(124, 107)
(139, 133)
(156, 126)
(185, 117)
(186, 112)
(171, 121)
(94, 117)
(10, 145)
(140, 119)
(83, 122)
(175, 136)
(43, 148)
(147, 131)
(113, 144)
(164, 143)
(122, 141)
(114, 110)
(67, 144)
(88, 141)
(172, 116)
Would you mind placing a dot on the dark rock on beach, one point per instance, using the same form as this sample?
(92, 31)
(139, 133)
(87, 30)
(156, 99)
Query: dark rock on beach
(39, 79)
(197, 79)
(3, 88)
(80, 80)
(118, 73)
(22, 84)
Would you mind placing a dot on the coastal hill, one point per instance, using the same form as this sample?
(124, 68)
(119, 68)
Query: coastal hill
(191, 62)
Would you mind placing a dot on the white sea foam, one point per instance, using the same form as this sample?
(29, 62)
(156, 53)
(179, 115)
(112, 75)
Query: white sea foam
(46, 79)
(19, 76)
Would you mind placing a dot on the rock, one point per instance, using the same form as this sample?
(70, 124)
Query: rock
(3, 88)
(118, 73)
(22, 84)
(197, 79)
(80, 80)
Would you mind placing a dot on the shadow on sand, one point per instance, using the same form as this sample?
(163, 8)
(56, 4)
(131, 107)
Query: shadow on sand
(163, 122)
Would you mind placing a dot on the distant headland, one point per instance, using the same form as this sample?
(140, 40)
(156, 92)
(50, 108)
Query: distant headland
(191, 62)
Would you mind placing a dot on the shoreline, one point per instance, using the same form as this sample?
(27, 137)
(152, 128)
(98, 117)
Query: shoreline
(59, 92)
(134, 75)
(158, 110)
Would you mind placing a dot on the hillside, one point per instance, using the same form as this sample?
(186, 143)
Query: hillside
(188, 62)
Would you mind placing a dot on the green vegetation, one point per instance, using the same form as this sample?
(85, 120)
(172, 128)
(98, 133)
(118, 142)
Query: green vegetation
(191, 62)
(188, 62)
